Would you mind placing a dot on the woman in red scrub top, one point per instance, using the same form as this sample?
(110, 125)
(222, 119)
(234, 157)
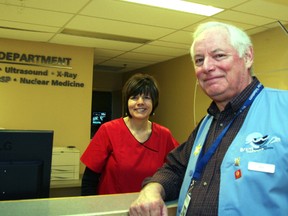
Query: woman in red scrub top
(126, 150)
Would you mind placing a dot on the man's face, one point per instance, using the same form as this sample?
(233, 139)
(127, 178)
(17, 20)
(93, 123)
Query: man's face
(221, 73)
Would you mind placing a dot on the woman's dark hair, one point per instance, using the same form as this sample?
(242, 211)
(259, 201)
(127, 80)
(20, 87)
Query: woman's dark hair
(140, 84)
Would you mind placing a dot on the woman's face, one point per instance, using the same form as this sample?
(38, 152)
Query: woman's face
(140, 106)
(221, 73)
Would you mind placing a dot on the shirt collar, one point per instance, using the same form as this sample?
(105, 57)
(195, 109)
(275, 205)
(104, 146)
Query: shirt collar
(235, 104)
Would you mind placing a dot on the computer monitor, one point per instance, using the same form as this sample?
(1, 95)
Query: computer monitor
(25, 163)
(99, 118)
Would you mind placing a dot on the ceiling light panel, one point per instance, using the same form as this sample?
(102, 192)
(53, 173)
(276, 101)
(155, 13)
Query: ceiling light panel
(180, 5)
(220, 3)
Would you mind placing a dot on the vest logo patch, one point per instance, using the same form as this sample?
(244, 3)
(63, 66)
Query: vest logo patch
(259, 142)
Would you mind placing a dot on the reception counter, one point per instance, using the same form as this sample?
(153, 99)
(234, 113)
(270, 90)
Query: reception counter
(114, 205)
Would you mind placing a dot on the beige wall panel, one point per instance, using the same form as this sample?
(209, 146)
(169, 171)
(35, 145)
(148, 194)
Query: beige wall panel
(65, 110)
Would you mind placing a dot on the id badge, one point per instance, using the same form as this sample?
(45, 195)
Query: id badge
(185, 205)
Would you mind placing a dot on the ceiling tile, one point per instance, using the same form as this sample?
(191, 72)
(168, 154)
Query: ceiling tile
(69, 6)
(152, 16)
(99, 60)
(117, 27)
(238, 24)
(277, 9)
(183, 37)
(101, 24)
(243, 18)
(33, 16)
(256, 30)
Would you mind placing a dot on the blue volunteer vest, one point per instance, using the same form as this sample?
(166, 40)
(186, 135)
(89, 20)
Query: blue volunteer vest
(254, 171)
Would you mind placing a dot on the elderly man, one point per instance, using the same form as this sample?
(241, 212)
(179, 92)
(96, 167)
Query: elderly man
(235, 161)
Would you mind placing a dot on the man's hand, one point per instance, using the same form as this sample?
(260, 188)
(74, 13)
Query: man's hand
(149, 202)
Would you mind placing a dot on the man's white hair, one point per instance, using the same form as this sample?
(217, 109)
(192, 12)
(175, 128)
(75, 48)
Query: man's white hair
(238, 38)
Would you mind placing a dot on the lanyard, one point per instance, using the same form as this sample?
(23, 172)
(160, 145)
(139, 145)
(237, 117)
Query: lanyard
(203, 159)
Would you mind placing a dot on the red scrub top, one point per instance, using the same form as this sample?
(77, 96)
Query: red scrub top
(123, 161)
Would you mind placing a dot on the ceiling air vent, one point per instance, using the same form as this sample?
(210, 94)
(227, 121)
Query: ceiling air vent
(104, 36)
(21, 29)
(106, 68)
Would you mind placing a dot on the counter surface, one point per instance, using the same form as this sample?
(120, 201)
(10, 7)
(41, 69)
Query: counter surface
(116, 204)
